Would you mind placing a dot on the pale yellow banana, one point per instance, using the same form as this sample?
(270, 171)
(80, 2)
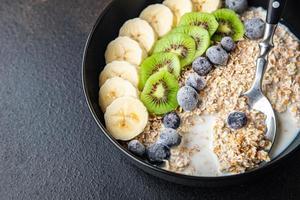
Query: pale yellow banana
(125, 118)
(121, 69)
(114, 88)
(124, 48)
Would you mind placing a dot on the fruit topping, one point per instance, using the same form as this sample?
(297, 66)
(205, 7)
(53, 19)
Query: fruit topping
(124, 48)
(228, 44)
(202, 66)
(121, 69)
(187, 98)
(125, 118)
(171, 120)
(203, 20)
(159, 93)
(141, 31)
(195, 81)
(160, 17)
(254, 28)
(238, 6)
(169, 137)
(206, 5)
(200, 36)
(229, 25)
(136, 147)
(157, 62)
(217, 55)
(236, 120)
(114, 88)
(157, 153)
(181, 44)
(179, 8)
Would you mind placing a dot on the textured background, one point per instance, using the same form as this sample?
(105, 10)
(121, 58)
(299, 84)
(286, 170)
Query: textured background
(50, 147)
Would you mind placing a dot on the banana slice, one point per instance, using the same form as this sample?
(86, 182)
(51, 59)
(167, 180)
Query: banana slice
(114, 88)
(160, 17)
(125, 118)
(120, 69)
(211, 5)
(179, 8)
(141, 31)
(197, 5)
(206, 5)
(126, 49)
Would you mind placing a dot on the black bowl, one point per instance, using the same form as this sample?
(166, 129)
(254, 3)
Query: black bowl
(105, 30)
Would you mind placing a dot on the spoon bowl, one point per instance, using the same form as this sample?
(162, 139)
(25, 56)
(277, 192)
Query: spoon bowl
(257, 101)
(255, 96)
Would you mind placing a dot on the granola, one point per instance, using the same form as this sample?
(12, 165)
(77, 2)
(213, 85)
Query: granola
(243, 149)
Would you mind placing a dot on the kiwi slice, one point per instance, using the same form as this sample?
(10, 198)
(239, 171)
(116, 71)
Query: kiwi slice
(156, 62)
(181, 44)
(200, 35)
(159, 93)
(203, 20)
(229, 25)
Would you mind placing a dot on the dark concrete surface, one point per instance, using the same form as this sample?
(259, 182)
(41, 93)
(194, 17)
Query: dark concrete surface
(50, 147)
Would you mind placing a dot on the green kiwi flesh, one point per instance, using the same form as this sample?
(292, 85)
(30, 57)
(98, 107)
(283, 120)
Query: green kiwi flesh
(229, 25)
(155, 63)
(181, 44)
(200, 35)
(203, 20)
(159, 93)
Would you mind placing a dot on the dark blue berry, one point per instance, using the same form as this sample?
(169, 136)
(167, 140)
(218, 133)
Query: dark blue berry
(187, 98)
(169, 137)
(136, 147)
(195, 81)
(236, 120)
(254, 28)
(202, 66)
(171, 120)
(238, 6)
(158, 152)
(217, 55)
(227, 43)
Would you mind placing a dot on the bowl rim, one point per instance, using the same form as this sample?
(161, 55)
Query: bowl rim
(271, 164)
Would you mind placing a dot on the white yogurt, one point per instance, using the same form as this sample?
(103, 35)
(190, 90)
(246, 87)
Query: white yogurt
(205, 162)
(288, 129)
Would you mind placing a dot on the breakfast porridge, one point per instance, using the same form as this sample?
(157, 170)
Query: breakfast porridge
(171, 89)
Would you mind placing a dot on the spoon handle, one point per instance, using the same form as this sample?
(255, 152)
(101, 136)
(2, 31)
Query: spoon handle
(275, 10)
(274, 13)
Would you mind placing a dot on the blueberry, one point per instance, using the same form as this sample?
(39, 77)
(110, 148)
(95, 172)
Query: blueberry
(202, 66)
(236, 120)
(136, 147)
(227, 43)
(158, 152)
(170, 137)
(195, 81)
(171, 120)
(217, 55)
(238, 6)
(187, 98)
(254, 28)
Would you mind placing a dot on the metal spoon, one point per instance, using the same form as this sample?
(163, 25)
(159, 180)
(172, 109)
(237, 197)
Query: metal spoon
(256, 99)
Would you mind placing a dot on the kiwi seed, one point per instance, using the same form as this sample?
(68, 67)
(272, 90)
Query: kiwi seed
(229, 25)
(159, 93)
(203, 20)
(155, 63)
(200, 35)
(181, 44)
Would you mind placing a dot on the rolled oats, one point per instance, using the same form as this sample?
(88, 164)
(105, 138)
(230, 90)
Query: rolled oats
(243, 149)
